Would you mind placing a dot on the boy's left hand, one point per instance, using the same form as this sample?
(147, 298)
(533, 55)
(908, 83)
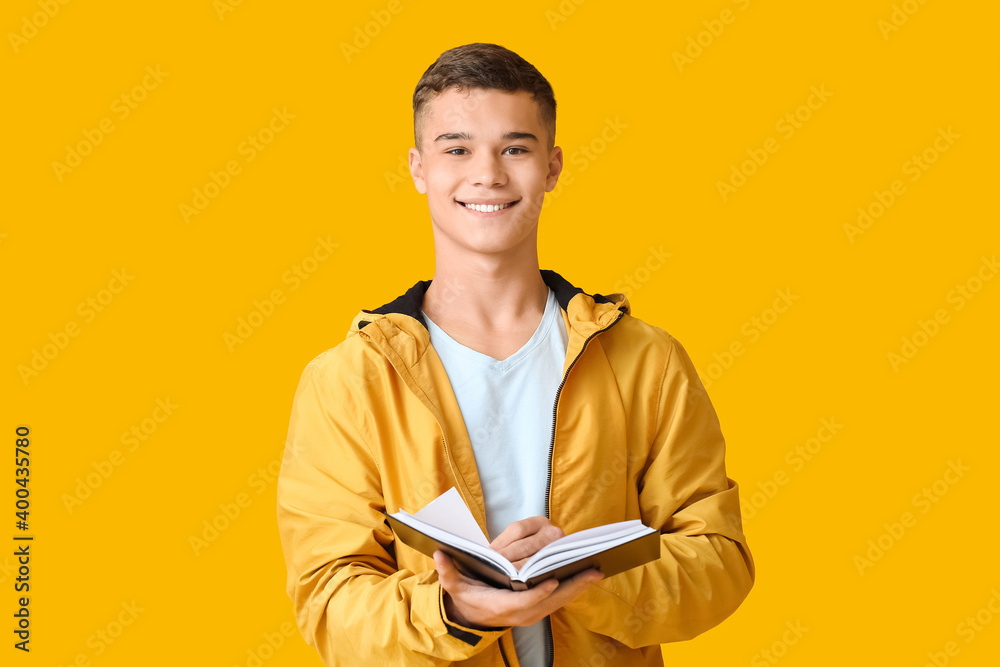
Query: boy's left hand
(522, 539)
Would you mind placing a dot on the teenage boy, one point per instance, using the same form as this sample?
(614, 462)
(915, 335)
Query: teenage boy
(550, 409)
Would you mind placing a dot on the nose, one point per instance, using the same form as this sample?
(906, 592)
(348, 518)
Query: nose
(487, 169)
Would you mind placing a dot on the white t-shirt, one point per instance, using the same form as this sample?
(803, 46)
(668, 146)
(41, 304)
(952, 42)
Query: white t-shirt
(508, 408)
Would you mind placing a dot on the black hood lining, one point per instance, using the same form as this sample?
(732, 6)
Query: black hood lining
(411, 302)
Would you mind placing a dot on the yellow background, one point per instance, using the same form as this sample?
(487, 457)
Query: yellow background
(332, 172)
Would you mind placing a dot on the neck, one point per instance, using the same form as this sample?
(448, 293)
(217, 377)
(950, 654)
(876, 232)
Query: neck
(486, 294)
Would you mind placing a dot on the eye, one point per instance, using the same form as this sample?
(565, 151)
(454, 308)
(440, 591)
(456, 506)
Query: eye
(452, 151)
(519, 150)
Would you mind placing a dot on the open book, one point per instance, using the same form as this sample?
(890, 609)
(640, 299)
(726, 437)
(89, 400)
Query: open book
(447, 524)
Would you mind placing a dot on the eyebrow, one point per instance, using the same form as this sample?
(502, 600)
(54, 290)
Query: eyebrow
(465, 136)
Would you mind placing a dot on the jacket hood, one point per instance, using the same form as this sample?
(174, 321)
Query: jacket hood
(584, 312)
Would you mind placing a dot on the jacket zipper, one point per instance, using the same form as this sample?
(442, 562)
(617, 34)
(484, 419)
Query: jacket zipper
(502, 653)
(552, 444)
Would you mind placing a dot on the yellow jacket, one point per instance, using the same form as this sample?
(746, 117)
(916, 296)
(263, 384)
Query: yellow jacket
(376, 426)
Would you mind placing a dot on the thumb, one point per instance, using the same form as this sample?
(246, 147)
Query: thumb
(443, 564)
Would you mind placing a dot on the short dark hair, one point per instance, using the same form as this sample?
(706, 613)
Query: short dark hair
(485, 66)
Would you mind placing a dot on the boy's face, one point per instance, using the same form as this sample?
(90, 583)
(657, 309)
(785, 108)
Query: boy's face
(484, 147)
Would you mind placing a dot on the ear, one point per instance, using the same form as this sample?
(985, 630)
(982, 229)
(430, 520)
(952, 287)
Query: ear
(555, 168)
(417, 171)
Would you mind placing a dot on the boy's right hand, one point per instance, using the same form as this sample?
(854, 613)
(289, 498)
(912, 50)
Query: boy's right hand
(475, 604)
(522, 539)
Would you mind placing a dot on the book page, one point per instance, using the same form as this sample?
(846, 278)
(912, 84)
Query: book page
(450, 513)
(552, 561)
(577, 544)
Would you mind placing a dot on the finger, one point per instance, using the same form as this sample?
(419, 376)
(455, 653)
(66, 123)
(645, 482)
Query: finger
(441, 562)
(518, 531)
(454, 580)
(539, 594)
(448, 575)
(572, 587)
(518, 552)
(552, 594)
(527, 547)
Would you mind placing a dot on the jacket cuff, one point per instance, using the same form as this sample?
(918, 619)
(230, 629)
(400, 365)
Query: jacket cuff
(470, 636)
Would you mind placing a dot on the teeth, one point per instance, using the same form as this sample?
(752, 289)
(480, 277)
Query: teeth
(486, 208)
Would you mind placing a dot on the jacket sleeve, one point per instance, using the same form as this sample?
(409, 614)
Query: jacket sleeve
(351, 603)
(705, 568)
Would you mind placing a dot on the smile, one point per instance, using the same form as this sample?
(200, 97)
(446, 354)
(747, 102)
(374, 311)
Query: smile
(488, 208)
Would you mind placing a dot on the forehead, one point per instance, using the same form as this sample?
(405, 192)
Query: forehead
(487, 110)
